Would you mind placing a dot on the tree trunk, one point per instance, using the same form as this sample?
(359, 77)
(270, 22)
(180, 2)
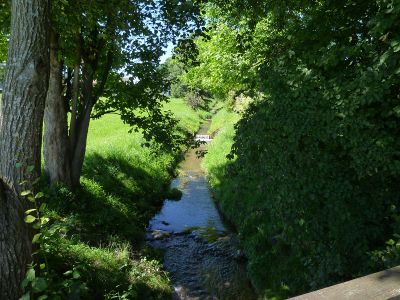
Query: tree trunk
(79, 150)
(75, 95)
(56, 144)
(21, 121)
(82, 129)
(65, 151)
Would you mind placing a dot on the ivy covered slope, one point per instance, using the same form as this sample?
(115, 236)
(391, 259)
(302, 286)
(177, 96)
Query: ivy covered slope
(95, 236)
(313, 188)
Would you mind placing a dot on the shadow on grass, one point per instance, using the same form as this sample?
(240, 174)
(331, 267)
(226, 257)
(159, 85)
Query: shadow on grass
(116, 199)
(108, 214)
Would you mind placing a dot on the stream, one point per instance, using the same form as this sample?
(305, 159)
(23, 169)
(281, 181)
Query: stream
(200, 252)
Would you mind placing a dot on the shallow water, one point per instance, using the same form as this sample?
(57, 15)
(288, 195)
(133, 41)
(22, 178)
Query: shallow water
(195, 209)
(199, 251)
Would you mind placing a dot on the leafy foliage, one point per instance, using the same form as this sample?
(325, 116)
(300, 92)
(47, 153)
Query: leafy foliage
(314, 187)
(173, 70)
(117, 39)
(3, 49)
(195, 100)
(219, 68)
(4, 30)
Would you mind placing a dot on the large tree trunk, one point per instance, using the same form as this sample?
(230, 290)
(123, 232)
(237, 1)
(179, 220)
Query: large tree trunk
(21, 121)
(56, 144)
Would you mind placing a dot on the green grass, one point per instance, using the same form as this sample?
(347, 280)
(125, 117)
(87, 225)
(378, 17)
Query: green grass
(223, 119)
(188, 118)
(98, 231)
(215, 161)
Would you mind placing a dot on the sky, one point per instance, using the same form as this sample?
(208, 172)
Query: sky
(168, 52)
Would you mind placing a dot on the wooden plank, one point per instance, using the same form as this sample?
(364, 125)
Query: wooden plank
(377, 286)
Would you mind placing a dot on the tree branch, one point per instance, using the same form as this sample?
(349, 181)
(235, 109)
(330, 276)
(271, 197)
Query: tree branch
(104, 76)
(100, 114)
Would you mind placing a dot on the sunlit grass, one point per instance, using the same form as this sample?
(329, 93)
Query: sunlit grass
(123, 186)
(188, 118)
(215, 160)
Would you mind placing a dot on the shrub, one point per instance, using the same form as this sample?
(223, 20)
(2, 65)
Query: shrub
(195, 100)
(313, 190)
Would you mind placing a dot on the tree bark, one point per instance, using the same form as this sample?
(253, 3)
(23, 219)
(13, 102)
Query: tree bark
(79, 150)
(56, 144)
(82, 129)
(65, 151)
(75, 94)
(21, 122)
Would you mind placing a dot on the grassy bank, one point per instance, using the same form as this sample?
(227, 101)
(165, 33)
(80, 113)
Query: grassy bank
(94, 245)
(215, 162)
(188, 118)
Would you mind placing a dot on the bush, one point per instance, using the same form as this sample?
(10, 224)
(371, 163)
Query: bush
(195, 100)
(178, 90)
(313, 189)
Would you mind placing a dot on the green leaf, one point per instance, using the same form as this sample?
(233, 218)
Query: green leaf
(31, 198)
(42, 266)
(36, 238)
(395, 45)
(25, 283)
(30, 169)
(29, 219)
(39, 195)
(26, 193)
(42, 207)
(76, 275)
(30, 274)
(44, 220)
(43, 297)
(39, 284)
(36, 181)
(390, 242)
(18, 165)
(30, 210)
(26, 296)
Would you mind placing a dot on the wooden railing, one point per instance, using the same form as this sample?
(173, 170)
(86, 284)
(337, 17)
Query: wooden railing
(203, 137)
(377, 286)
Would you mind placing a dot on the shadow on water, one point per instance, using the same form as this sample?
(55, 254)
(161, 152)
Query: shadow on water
(200, 252)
